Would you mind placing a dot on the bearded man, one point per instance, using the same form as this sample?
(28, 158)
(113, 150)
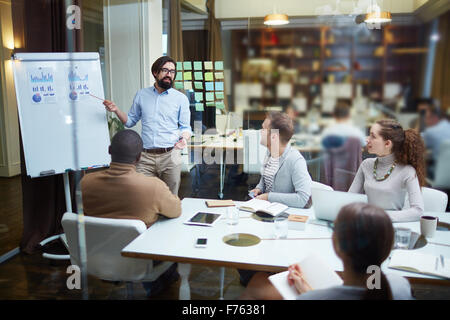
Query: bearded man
(165, 117)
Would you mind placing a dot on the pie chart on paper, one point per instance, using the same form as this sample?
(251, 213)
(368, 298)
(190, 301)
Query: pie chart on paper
(37, 98)
(73, 95)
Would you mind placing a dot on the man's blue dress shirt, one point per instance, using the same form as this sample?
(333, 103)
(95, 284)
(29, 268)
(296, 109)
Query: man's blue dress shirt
(164, 116)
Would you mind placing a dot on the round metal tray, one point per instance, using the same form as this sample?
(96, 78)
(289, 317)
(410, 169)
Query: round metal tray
(241, 239)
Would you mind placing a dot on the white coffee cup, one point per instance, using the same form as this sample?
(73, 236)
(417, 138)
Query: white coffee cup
(428, 225)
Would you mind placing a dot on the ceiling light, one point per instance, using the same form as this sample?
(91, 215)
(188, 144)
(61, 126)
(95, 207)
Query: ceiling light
(375, 15)
(276, 19)
(378, 17)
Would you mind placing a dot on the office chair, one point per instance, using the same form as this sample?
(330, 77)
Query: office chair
(318, 185)
(105, 239)
(433, 200)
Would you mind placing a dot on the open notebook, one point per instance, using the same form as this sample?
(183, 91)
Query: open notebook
(257, 205)
(420, 263)
(316, 272)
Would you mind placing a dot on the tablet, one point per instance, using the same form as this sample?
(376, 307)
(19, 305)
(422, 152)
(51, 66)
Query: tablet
(204, 219)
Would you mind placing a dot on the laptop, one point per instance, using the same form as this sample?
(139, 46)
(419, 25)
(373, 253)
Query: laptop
(327, 203)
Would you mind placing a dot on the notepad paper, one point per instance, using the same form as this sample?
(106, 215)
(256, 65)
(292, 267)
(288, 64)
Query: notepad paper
(272, 208)
(219, 203)
(420, 263)
(297, 222)
(316, 273)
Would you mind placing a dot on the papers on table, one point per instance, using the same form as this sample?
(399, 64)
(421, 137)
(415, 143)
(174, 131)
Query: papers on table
(316, 273)
(257, 205)
(420, 263)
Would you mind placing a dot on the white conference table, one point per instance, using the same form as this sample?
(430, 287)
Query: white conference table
(172, 240)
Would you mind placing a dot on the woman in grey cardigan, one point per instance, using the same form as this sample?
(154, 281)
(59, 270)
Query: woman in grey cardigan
(398, 169)
(284, 175)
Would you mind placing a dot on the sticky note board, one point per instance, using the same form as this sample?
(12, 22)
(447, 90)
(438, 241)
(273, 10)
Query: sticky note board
(209, 76)
(218, 75)
(198, 75)
(208, 65)
(219, 86)
(210, 96)
(187, 76)
(197, 65)
(179, 66)
(219, 95)
(199, 107)
(179, 76)
(187, 65)
(198, 85)
(179, 85)
(209, 86)
(210, 104)
(218, 65)
(198, 96)
(187, 85)
(220, 105)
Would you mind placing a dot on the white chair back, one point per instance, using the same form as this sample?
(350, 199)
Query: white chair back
(254, 152)
(105, 239)
(434, 200)
(318, 185)
(442, 171)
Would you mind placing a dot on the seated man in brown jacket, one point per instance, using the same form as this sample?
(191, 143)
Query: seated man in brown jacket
(121, 192)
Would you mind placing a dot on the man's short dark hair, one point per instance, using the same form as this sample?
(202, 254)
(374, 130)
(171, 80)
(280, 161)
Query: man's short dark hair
(433, 106)
(126, 146)
(158, 64)
(284, 124)
(341, 111)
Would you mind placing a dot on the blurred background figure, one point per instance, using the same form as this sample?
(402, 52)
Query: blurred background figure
(343, 128)
(437, 130)
(294, 115)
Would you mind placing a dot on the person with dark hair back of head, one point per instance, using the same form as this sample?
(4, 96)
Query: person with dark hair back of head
(165, 117)
(122, 193)
(126, 147)
(398, 169)
(343, 126)
(363, 236)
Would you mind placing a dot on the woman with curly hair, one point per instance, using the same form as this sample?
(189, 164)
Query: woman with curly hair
(398, 169)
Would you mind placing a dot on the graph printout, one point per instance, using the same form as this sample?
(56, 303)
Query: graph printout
(78, 84)
(42, 86)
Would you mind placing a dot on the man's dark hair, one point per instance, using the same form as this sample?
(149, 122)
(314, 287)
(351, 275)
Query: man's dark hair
(126, 146)
(341, 110)
(433, 106)
(284, 124)
(158, 64)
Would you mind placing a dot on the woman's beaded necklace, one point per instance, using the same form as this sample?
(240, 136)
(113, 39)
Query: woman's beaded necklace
(386, 175)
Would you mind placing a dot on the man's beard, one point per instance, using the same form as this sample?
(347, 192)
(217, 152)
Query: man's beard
(165, 85)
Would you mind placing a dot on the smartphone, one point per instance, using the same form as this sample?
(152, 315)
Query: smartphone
(201, 243)
(251, 194)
